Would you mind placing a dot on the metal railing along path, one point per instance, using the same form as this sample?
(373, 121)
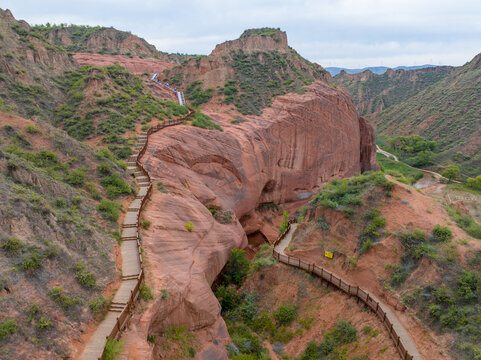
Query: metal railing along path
(356, 291)
(180, 94)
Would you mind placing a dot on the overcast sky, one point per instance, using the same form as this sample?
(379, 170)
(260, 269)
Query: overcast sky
(345, 33)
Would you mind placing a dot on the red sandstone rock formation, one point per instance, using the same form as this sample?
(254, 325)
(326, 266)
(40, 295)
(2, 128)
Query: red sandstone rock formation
(368, 146)
(284, 155)
(214, 70)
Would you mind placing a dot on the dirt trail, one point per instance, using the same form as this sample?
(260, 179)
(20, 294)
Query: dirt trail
(399, 328)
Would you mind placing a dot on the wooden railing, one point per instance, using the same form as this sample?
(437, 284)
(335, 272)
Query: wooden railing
(124, 316)
(349, 289)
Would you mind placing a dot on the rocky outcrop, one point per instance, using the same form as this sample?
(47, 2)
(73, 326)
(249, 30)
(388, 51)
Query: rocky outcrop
(214, 70)
(276, 42)
(368, 146)
(282, 156)
(103, 39)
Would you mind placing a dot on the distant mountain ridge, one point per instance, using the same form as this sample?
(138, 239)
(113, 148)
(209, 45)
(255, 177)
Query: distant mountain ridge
(375, 69)
(447, 111)
(373, 93)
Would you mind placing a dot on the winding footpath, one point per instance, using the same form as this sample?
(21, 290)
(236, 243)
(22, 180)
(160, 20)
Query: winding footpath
(402, 340)
(180, 94)
(120, 309)
(395, 158)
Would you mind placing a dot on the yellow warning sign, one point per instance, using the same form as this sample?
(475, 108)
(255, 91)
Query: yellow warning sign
(328, 254)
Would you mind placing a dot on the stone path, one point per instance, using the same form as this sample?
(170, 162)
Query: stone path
(394, 157)
(132, 269)
(397, 326)
(180, 94)
(131, 263)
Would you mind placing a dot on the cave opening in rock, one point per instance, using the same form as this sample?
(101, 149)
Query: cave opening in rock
(256, 239)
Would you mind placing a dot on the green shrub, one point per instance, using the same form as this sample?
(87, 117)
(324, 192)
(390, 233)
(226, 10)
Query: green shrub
(32, 311)
(145, 292)
(343, 333)
(245, 340)
(98, 304)
(451, 172)
(435, 311)
(31, 259)
(164, 294)
(161, 187)
(189, 226)
(264, 324)
(76, 177)
(77, 200)
(228, 297)
(451, 318)
(104, 169)
(145, 223)
(468, 285)
(286, 314)
(474, 183)
(262, 259)
(204, 122)
(96, 195)
(112, 349)
(7, 327)
(57, 293)
(32, 129)
(60, 203)
(196, 94)
(236, 268)
(115, 186)
(44, 323)
(51, 250)
(441, 233)
(84, 277)
(285, 222)
(366, 245)
(109, 210)
(12, 245)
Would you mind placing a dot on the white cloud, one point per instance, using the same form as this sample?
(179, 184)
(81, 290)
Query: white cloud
(333, 32)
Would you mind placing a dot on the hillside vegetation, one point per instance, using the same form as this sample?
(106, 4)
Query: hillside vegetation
(250, 78)
(56, 252)
(447, 112)
(419, 257)
(372, 93)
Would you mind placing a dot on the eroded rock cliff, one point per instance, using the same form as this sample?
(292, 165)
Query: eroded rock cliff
(282, 156)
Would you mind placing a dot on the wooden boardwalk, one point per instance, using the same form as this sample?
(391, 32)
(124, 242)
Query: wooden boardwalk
(402, 340)
(132, 269)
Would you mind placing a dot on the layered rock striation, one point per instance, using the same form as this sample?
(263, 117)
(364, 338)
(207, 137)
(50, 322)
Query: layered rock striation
(282, 156)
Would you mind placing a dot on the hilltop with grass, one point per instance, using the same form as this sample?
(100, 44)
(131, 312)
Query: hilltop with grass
(246, 73)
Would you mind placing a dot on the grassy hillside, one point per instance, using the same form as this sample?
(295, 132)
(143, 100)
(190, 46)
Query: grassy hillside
(407, 240)
(248, 79)
(108, 102)
(28, 61)
(61, 198)
(57, 234)
(447, 112)
(372, 93)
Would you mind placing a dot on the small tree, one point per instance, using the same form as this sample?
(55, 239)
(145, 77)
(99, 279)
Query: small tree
(285, 222)
(451, 172)
(236, 268)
